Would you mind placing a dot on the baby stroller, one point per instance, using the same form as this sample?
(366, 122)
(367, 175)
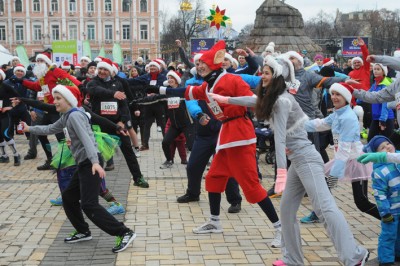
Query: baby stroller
(265, 142)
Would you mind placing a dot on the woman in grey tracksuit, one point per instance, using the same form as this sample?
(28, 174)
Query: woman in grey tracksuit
(306, 172)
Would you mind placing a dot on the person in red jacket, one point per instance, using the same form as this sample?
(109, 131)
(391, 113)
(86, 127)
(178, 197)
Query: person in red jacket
(48, 76)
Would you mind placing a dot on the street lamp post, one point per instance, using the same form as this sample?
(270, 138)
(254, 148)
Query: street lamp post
(131, 31)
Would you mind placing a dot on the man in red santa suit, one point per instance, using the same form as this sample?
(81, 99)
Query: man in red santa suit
(236, 147)
(49, 76)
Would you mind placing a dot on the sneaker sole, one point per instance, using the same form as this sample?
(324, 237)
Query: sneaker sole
(127, 245)
(364, 259)
(276, 246)
(276, 196)
(311, 222)
(79, 240)
(215, 231)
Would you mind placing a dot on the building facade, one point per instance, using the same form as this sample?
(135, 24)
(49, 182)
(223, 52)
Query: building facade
(37, 23)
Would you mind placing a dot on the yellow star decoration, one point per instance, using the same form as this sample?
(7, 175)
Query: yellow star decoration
(217, 18)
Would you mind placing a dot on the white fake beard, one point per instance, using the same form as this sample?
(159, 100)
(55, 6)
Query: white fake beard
(40, 70)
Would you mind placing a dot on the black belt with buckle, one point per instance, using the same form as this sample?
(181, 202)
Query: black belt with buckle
(233, 118)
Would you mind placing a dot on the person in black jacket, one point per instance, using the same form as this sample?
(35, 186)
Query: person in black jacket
(109, 100)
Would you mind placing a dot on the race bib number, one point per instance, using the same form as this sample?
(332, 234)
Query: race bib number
(336, 141)
(45, 90)
(216, 110)
(67, 137)
(173, 102)
(40, 96)
(153, 82)
(108, 108)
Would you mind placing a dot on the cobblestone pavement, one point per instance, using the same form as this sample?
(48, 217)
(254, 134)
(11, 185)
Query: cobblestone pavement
(32, 231)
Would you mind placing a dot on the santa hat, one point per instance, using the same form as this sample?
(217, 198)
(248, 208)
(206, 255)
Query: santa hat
(98, 59)
(345, 90)
(295, 55)
(327, 62)
(270, 61)
(87, 59)
(214, 57)
(396, 53)
(71, 93)
(197, 57)
(44, 58)
(318, 56)
(78, 66)
(115, 67)
(15, 58)
(154, 63)
(270, 48)
(66, 65)
(384, 68)
(161, 62)
(180, 66)
(19, 67)
(2, 74)
(175, 75)
(235, 63)
(107, 64)
(229, 57)
(356, 59)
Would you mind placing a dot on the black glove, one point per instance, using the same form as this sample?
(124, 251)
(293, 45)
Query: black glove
(152, 89)
(388, 218)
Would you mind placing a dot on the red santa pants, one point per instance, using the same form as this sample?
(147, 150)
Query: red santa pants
(239, 162)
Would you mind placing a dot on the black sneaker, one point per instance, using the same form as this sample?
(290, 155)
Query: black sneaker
(29, 156)
(17, 160)
(122, 242)
(141, 183)
(187, 198)
(45, 166)
(167, 164)
(77, 237)
(4, 159)
(109, 167)
(235, 208)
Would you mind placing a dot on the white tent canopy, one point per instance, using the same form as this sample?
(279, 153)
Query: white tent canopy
(5, 55)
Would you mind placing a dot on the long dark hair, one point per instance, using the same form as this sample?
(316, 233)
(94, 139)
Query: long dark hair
(267, 96)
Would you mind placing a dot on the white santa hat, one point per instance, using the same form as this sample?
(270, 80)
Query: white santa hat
(85, 58)
(44, 58)
(384, 68)
(357, 58)
(270, 47)
(66, 65)
(2, 74)
(19, 67)
(175, 76)
(396, 53)
(229, 57)
(295, 55)
(67, 93)
(15, 58)
(197, 57)
(107, 64)
(154, 63)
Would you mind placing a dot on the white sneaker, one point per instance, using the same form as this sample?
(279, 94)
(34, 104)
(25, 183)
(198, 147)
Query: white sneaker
(209, 227)
(276, 242)
(137, 152)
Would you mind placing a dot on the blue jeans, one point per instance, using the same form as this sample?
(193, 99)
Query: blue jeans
(389, 241)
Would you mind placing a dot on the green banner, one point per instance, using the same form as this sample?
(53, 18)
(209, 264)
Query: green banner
(65, 47)
(86, 49)
(23, 56)
(117, 53)
(102, 52)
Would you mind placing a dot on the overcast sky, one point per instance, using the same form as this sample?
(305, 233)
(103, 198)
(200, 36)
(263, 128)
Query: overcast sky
(243, 12)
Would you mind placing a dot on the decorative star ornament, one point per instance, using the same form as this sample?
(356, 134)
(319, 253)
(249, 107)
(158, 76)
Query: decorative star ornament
(217, 18)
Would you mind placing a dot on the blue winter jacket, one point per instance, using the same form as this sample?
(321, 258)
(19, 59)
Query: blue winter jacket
(380, 111)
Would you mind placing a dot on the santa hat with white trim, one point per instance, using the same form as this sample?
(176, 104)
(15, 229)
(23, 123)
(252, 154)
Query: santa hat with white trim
(106, 64)
(295, 55)
(19, 67)
(85, 58)
(197, 57)
(154, 63)
(161, 63)
(229, 57)
(70, 93)
(327, 62)
(2, 75)
(115, 67)
(175, 75)
(357, 58)
(66, 65)
(45, 58)
(345, 90)
(78, 66)
(98, 59)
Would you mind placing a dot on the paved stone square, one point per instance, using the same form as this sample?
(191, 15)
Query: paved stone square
(32, 231)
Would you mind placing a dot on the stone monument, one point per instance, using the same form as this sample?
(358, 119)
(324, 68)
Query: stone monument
(282, 24)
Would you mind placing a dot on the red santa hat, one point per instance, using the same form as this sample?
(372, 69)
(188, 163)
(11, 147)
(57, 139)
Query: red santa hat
(115, 67)
(161, 62)
(154, 63)
(345, 90)
(19, 67)
(296, 55)
(327, 62)
(85, 58)
(78, 66)
(214, 57)
(175, 75)
(2, 74)
(45, 58)
(71, 94)
(66, 65)
(107, 64)
(357, 58)
(384, 68)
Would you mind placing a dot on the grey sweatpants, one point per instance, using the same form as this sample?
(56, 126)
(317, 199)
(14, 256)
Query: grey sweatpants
(306, 174)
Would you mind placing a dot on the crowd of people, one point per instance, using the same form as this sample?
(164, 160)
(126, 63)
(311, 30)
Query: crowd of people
(198, 106)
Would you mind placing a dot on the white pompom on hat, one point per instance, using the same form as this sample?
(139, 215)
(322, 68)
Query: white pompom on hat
(384, 68)
(2, 74)
(44, 58)
(295, 55)
(19, 67)
(270, 47)
(70, 93)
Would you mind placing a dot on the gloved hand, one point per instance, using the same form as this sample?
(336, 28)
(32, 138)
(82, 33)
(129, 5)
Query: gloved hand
(376, 157)
(388, 218)
(152, 89)
(219, 98)
(203, 118)
(331, 181)
(280, 182)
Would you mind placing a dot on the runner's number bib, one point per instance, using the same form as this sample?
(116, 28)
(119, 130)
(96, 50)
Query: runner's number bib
(336, 141)
(215, 109)
(174, 102)
(40, 95)
(108, 108)
(45, 90)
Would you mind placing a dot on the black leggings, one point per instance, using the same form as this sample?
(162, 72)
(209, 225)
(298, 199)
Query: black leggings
(172, 134)
(6, 127)
(360, 195)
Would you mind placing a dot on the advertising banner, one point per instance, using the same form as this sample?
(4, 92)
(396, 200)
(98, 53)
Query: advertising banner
(69, 51)
(199, 45)
(350, 47)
